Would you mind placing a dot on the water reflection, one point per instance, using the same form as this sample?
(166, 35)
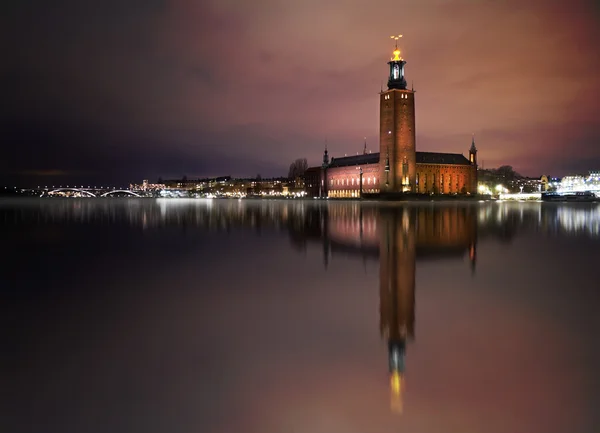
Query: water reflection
(398, 239)
(355, 223)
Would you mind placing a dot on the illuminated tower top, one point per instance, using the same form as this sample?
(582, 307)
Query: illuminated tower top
(396, 51)
(396, 78)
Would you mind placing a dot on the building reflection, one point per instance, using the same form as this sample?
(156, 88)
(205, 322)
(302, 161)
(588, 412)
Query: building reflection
(398, 238)
(408, 235)
(502, 220)
(397, 268)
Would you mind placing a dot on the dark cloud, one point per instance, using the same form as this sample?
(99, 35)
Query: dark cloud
(61, 152)
(216, 84)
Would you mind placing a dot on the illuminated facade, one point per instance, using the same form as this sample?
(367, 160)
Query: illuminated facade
(397, 167)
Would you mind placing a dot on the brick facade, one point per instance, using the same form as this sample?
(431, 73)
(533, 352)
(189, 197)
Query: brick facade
(344, 182)
(397, 167)
(445, 179)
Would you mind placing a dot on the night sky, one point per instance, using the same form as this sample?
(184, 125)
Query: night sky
(120, 91)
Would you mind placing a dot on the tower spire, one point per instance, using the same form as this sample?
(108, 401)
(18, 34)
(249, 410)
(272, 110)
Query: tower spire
(473, 151)
(396, 78)
(396, 50)
(365, 148)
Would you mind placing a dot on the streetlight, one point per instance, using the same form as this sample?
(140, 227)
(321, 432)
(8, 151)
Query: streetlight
(360, 181)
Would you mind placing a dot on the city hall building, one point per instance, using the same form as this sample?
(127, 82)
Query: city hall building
(397, 167)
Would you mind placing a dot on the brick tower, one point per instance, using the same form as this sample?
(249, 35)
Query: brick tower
(397, 160)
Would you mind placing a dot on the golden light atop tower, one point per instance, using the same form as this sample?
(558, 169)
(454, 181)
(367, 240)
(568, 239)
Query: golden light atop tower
(396, 50)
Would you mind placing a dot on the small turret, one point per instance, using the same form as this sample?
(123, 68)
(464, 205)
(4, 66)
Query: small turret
(325, 157)
(473, 152)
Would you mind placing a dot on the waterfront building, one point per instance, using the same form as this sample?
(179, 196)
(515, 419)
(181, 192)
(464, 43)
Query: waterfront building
(577, 183)
(397, 167)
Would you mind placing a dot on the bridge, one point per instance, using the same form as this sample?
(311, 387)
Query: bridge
(120, 191)
(91, 192)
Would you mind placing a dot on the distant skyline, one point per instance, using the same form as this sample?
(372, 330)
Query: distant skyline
(119, 91)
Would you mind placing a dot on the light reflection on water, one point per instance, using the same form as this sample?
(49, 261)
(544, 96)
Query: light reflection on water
(487, 282)
(213, 214)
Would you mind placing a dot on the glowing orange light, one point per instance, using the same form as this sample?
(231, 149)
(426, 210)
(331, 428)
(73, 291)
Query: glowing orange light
(396, 52)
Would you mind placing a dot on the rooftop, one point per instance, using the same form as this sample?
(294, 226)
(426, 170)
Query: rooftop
(369, 158)
(422, 158)
(442, 158)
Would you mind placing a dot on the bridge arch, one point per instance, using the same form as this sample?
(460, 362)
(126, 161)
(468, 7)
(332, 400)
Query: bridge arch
(83, 191)
(124, 191)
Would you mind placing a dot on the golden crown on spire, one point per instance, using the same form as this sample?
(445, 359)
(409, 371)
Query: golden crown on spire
(396, 50)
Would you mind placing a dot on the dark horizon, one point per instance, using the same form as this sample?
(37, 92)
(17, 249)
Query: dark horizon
(118, 92)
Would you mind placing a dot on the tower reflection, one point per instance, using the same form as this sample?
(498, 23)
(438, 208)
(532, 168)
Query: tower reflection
(397, 268)
(400, 236)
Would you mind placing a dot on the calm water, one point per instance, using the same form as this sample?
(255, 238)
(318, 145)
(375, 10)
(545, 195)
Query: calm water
(128, 315)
